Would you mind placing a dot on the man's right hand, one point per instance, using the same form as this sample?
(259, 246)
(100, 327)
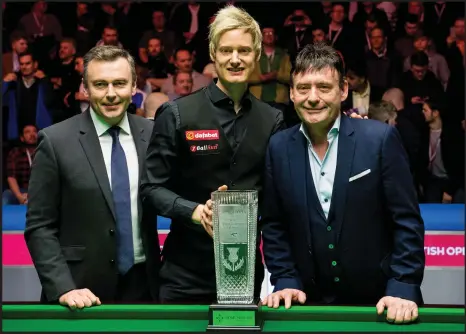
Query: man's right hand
(288, 295)
(203, 214)
(79, 298)
(197, 218)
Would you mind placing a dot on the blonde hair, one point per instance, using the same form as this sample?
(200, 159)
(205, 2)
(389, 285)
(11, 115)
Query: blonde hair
(108, 53)
(231, 18)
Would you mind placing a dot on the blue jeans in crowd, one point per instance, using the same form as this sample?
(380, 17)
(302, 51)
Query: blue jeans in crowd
(8, 198)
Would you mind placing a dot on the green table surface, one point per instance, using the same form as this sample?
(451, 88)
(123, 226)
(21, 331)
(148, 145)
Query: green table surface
(194, 318)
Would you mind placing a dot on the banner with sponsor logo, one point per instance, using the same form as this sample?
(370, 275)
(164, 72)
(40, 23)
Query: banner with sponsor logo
(442, 250)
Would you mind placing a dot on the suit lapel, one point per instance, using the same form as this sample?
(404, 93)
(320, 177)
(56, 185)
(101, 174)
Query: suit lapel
(297, 160)
(346, 146)
(91, 146)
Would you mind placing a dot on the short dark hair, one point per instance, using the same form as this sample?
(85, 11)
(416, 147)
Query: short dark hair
(175, 54)
(437, 104)
(358, 67)
(26, 125)
(419, 58)
(320, 26)
(339, 4)
(157, 38)
(70, 40)
(316, 57)
(17, 35)
(27, 53)
(110, 27)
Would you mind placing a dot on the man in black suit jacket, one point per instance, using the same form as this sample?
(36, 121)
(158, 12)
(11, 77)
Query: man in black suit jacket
(84, 226)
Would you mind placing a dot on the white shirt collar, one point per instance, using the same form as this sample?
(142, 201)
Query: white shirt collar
(101, 126)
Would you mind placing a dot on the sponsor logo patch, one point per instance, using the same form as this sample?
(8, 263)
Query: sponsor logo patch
(203, 148)
(202, 135)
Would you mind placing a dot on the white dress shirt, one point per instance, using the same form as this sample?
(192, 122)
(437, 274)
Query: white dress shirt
(129, 147)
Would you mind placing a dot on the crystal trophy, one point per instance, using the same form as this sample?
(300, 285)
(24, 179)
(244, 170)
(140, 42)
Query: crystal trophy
(234, 221)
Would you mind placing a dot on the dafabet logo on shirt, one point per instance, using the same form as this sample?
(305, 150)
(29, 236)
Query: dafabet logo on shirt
(202, 135)
(197, 135)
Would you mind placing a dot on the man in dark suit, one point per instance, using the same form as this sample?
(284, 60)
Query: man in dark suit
(340, 220)
(84, 226)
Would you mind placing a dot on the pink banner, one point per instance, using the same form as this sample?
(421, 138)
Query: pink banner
(445, 250)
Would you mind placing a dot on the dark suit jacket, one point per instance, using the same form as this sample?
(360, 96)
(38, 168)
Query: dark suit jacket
(380, 232)
(70, 221)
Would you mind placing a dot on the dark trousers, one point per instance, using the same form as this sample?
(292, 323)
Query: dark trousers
(133, 287)
(181, 286)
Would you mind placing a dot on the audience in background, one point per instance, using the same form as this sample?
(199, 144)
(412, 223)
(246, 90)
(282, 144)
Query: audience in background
(182, 85)
(444, 174)
(152, 104)
(10, 60)
(19, 163)
(270, 78)
(28, 96)
(410, 54)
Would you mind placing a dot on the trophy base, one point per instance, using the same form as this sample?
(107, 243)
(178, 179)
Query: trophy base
(231, 317)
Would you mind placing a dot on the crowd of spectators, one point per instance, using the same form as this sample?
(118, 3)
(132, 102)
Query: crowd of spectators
(404, 65)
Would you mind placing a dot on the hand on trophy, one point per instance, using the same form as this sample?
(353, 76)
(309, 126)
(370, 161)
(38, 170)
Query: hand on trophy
(288, 295)
(206, 214)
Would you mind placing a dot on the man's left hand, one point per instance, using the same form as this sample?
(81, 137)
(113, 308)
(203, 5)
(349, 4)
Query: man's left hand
(398, 310)
(355, 115)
